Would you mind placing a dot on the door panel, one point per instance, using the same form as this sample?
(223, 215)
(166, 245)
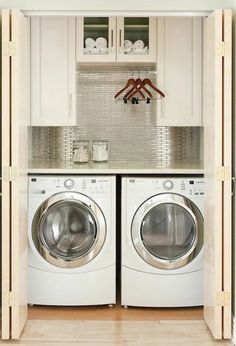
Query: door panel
(217, 188)
(227, 152)
(20, 117)
(5, 163)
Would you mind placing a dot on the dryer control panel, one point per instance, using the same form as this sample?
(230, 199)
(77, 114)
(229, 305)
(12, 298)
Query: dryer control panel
(189, 187)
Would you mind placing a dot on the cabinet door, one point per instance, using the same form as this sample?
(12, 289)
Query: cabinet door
(136, 39)
(53, 71)
(179, 71)
(95, 39)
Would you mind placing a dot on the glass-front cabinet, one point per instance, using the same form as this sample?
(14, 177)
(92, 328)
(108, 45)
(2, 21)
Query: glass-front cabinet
(136, 39)
(96, 39)
(116, 39)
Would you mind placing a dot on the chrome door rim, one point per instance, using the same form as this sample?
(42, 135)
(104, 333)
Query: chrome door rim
(41, 214)
(143, 210)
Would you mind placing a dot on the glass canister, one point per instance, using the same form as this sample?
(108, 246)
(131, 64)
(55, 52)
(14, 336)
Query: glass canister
(100, 150)
(80, 151)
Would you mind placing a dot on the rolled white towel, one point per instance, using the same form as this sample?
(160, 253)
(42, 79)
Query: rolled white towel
(139, 44)
(101, 42)
(128, 44)
(91, 51)
(90, 43)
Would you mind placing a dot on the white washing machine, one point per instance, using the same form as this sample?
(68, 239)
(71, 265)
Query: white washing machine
(72, 240)
(162, 242)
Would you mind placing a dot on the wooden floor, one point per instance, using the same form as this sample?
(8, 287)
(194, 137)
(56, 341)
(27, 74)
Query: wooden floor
(114, 333)
(116, 313)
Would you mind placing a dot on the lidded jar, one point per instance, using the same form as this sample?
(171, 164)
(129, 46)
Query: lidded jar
(80, 151)
(100, 151)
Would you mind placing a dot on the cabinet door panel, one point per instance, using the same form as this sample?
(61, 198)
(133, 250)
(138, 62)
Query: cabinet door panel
(130, 30)
(53, 70)
(93, 28)
(179, 67)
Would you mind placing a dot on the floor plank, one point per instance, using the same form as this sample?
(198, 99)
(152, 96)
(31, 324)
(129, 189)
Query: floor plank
(116, 313)
(121, 333)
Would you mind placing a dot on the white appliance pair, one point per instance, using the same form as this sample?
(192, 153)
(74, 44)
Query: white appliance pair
(72, 241)
(72, 254)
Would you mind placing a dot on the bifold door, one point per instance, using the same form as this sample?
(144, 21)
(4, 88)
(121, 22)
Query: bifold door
(217, 74)
(14, 136)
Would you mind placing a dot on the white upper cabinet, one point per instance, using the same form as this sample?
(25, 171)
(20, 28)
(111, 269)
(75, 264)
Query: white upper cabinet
(53, 71)
(179, 71)
(96, 39)
(121, 39)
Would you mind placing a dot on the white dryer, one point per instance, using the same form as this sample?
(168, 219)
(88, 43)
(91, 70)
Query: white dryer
(162, 242)
(72, 240)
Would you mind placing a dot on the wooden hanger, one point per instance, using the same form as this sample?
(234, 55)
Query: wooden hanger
(130, 82)
(146, 81)
(133, 91)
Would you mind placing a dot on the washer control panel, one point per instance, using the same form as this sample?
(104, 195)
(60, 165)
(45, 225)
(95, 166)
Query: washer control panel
(95, 185)
(168, 185)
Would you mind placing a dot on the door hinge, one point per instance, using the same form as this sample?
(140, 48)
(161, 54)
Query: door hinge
(223, 173)
(9, 173)
(223, 298)
(9, 48)
(10, 298)
(223, 48)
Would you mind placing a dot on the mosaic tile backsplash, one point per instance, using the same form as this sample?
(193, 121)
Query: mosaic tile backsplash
(129, 128)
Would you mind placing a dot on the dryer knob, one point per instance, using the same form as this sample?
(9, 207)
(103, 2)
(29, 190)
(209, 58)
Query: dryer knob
(168, 185)
(69, 183)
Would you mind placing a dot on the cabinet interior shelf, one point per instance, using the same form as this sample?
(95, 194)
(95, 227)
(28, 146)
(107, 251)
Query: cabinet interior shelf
(100, 26)
(136, 26)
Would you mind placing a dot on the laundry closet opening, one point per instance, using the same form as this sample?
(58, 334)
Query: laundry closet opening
(109, 199)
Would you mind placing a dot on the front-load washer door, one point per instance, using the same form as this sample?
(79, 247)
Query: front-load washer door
(68, 229)
(167, 231)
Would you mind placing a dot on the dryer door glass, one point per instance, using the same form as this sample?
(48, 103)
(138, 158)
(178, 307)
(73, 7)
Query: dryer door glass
(168, 231)
(68, 230)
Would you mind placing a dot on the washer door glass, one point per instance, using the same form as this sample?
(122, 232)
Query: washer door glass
(68, 230)
(168, 231)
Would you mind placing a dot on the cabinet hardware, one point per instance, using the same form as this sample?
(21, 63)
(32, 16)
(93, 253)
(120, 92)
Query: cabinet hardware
(112, 41)
(70, 105)
(120, 41)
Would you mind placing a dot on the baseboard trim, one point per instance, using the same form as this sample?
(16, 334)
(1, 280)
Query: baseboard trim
(234, 330)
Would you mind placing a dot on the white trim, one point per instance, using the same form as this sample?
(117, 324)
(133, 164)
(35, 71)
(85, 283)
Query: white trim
(234, 330)
(120, 13)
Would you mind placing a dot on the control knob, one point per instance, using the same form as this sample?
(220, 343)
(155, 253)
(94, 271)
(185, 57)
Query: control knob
(168, 185)
(69, 183)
